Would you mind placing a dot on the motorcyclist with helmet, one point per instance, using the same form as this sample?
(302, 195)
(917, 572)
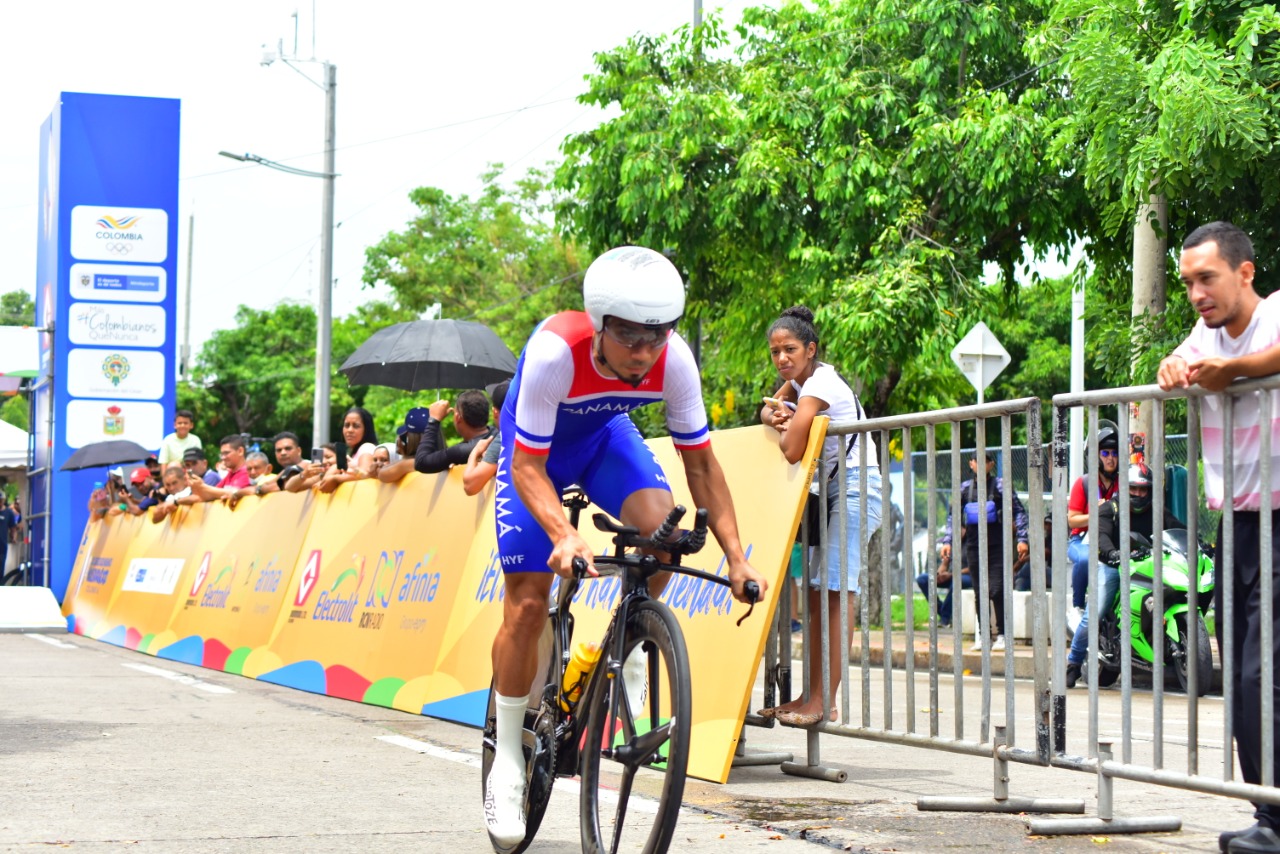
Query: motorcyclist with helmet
(1078, 515)
(1109, 555)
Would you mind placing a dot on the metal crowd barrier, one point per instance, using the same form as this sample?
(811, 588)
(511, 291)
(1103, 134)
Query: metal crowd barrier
(1036, 728)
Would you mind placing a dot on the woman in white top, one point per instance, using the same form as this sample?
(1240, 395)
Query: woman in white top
(361, 440)
(815, 388)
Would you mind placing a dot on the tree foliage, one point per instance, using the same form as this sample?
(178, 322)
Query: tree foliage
(865, 158)
(259, 377)
(1180, 99)
(495, 258)
(17, 308)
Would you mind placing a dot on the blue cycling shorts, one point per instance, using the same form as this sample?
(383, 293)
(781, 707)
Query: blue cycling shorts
(609, 465)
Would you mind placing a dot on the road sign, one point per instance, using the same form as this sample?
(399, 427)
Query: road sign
(980, 357)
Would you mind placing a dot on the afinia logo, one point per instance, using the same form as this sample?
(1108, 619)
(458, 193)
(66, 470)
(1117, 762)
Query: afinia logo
(122, 224)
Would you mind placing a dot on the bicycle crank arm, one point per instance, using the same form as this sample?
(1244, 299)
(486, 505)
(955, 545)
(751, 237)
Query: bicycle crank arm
(641, 749)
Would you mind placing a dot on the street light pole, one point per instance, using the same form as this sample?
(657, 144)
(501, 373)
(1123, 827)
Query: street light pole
(324, 314)
(324, 308)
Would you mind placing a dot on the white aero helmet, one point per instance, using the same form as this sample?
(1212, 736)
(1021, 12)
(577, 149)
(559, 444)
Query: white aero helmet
(635, 284)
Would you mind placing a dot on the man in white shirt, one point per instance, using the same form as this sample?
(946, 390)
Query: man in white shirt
(1237, 336)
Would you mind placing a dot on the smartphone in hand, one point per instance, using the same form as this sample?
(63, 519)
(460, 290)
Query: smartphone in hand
(317, 456)
(777, 403)
(340, 451)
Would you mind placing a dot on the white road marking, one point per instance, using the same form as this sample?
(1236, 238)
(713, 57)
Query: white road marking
(51, 641)
(180, 678)
(571, 785)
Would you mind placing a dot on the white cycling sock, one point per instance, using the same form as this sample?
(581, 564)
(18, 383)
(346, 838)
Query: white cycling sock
(504, 799)
(635, 678)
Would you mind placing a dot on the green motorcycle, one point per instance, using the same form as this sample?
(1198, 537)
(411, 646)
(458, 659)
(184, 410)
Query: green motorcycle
(1170, 634)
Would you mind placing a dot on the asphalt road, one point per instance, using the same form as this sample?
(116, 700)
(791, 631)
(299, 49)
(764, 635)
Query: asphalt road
(103, 749)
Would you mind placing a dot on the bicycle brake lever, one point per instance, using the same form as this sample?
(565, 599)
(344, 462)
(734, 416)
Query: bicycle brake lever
(579, 568)
(752, 591)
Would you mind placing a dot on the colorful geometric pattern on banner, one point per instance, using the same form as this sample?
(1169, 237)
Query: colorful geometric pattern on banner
(391, 594)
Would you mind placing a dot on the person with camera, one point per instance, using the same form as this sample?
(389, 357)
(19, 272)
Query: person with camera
(232, 452)
(288, 451)
(470, 419)
(408, 438)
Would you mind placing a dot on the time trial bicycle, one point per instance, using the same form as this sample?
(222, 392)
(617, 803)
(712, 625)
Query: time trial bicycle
(605, 731)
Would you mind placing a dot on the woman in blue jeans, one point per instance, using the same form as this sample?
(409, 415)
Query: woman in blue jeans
(811, 388)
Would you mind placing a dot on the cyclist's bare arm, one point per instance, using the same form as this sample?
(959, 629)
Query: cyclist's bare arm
(709, 489)
(529, 476)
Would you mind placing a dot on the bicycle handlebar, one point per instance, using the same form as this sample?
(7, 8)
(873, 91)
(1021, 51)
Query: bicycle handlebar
(750, 589)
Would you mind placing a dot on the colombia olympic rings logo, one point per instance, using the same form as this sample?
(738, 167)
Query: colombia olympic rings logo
(118, 248)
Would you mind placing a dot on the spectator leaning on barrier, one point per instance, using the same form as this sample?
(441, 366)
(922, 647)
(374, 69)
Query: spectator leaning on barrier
(259, 469)
(145, 485)
(408, 439)
(1238, 335)
(992, 516)
(482, 462)
(811, 387)
(470, 419)
(288, 449)
(193, 460)
(177, 443)
(177, 493)
(1078, 516)
(314, 473)
(232, 454)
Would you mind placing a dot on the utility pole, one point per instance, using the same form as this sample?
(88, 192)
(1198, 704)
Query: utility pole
(324, 315)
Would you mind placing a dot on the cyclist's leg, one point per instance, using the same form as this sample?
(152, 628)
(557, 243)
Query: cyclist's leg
(626, 481)
(624, 478)
(523, 549)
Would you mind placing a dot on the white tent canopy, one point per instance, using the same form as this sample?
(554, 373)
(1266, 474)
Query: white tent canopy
(13, 447)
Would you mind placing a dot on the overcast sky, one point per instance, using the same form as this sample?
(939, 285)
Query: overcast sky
(428, 93)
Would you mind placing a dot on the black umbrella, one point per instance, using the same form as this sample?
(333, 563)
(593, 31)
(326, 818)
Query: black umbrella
(429, 354)
(101, 454)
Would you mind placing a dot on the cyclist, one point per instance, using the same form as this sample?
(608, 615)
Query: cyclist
(564, 421)
(1078, 516)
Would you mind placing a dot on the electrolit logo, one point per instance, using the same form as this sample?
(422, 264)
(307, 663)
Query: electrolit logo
(332, 606)
(216, 594)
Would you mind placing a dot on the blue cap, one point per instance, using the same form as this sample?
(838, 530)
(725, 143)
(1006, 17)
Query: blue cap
(415, 420)
(401, 430)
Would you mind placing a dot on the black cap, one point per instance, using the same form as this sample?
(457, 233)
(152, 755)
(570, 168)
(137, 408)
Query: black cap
(192, 454)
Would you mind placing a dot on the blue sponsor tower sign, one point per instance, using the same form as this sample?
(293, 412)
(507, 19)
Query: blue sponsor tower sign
(105, 298)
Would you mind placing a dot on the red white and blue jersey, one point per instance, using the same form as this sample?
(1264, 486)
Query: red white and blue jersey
(560, 393)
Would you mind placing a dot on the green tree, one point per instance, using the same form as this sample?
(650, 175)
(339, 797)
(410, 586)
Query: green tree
(865, 158)
(17, 308)
(1180, 99)
(495, 258)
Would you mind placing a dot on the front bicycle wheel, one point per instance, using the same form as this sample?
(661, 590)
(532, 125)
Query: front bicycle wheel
(625, 733)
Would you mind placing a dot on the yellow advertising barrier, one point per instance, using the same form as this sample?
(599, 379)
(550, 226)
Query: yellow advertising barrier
(391, 593)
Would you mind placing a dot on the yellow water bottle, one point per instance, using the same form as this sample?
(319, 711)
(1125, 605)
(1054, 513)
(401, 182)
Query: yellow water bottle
(580, 665)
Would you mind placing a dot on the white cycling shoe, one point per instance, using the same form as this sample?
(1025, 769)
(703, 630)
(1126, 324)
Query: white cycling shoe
(504, 807)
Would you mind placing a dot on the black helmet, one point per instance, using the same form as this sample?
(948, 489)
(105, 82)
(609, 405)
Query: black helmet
(1108, 437)
(1139, 475)
(1108, 440)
